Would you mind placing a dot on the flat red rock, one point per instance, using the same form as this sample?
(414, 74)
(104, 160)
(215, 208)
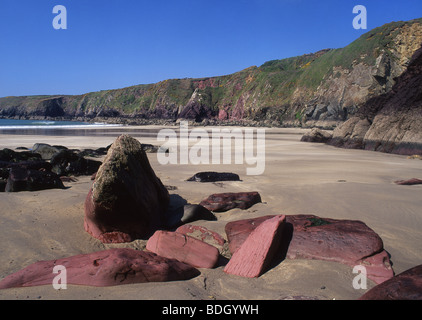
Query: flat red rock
(104, 268)
(174, 245)
(258, 250)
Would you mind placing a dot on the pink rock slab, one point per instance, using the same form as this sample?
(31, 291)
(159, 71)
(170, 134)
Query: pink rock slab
(104, 268)
(258, 250)
(311, 237)
(174, 245)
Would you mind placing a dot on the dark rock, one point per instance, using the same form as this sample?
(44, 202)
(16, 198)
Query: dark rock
(8, 155)
(21, 179)
(214, 176)
(126, 197)
(31, 165)
(409, 182)
(316, 135)
(94, 153)
(226, 201)
(104, 268)
(195, 212)
(46, 151)
(180, 212)
(68, 162)
(405, 286)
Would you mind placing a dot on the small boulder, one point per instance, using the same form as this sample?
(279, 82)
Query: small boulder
(68, 162)
(174, 245)
(21, 179)
(111, 267)
(180, 212)
(409, 182)
(8, 155)
(46, 151)
(317, 135)
(214, 177)
(127, 198)
(257, 252)
(226, 201)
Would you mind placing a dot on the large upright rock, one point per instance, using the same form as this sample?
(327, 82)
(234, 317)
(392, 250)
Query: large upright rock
(127, 201)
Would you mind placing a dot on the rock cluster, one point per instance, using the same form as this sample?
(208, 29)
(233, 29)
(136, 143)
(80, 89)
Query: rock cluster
(127, 201)
(42, 167)
(311, 237)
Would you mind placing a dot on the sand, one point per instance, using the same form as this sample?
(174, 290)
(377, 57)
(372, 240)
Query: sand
(299, 178)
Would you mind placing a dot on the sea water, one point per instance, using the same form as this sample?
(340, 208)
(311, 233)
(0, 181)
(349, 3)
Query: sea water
(45, 124)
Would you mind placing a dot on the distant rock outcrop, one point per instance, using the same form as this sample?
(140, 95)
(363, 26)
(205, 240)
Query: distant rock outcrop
(127, 200)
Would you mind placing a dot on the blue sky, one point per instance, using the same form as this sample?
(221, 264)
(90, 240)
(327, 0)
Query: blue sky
(112, 44)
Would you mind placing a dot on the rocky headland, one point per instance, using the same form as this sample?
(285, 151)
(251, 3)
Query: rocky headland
(321, 89)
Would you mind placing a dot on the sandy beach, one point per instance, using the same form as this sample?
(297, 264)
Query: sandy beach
(299, 178)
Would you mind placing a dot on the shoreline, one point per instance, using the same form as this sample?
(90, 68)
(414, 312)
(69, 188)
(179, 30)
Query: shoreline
(300, 178)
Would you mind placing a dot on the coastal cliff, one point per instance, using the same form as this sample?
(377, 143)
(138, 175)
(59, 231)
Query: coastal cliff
(321, 89)
(390, 122)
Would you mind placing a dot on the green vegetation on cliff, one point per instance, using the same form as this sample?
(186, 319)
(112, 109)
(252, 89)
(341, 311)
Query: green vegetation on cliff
(270, 90)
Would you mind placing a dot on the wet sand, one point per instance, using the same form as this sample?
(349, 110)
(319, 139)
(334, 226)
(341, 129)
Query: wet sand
(299, 178)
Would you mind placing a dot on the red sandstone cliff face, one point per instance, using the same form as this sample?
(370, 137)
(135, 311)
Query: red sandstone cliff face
(391, 122)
